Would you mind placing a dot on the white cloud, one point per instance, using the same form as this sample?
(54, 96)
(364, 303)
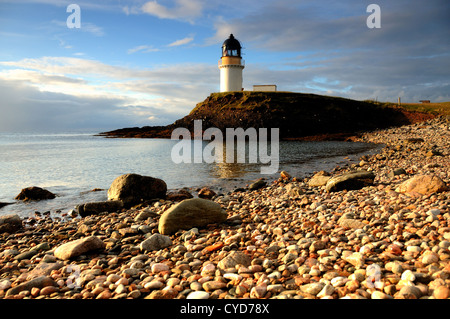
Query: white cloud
(185, 10)
(58, 92)
(181, 42)
(92, 28)
(142, 48)
(88, 27)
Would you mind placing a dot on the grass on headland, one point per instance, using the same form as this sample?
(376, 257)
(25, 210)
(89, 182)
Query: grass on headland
(442, 108)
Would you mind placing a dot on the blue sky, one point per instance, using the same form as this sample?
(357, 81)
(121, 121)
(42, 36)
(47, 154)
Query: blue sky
(138, 62)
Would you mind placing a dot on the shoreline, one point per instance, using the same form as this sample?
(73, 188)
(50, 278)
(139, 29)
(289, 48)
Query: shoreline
(298, 241)
(67, 199)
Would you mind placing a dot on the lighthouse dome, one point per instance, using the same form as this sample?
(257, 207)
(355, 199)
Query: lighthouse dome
(231, 47)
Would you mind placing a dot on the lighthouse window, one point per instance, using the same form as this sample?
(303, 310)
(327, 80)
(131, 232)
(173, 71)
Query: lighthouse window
(231, 53)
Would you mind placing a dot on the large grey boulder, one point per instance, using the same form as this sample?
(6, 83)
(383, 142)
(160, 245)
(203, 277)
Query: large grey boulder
(350, 181)
(194, 212)
(10, 223)
(133, 189)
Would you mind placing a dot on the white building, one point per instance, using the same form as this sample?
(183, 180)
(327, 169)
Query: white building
(231, 66)
(265, 88)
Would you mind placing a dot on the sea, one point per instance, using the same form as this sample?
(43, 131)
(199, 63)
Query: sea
(71, 165)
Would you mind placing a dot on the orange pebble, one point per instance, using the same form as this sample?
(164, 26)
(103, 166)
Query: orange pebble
(394, 249)
(214, 247)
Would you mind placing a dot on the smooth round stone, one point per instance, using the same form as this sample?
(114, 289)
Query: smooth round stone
(397, 268)
(430, 258)
(410, 291)
(105, 294)
(196, 286)
(232, 276)
(120, 289)
(172, 282)
(158, 267)
(134, 294)
(379, 295)
(408, 275)
(338, 281)
(113, 278)
(441, 292)
(155, 284)
(48, 290)
(415, 249)
(213, 285)
(198, 295)
(313, 288)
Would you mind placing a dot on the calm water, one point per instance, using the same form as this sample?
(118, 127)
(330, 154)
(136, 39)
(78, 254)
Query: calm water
(70, 165)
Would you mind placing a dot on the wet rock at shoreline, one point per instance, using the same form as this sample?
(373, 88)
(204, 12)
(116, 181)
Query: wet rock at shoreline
(179, 195)
(206, 193)
(257, 185)
(319, 179)
(133, 189)
(194, 212)
(93, 208)
(285, 176)
(10, 223)
(350, 181)
(3, 204)
(34, 193)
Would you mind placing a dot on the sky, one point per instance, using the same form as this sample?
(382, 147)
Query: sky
(144, 63)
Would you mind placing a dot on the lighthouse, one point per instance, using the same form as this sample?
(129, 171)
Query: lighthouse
(231, 65)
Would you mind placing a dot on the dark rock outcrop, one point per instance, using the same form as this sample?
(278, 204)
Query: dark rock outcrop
(94, 208)
(34, 193)
(350, 181)
(2, 204)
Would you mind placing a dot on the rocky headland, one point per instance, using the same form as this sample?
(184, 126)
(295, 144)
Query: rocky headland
(378, 229)
(297, 115)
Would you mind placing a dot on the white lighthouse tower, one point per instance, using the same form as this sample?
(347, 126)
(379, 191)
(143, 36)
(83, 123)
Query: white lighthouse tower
(231, 66)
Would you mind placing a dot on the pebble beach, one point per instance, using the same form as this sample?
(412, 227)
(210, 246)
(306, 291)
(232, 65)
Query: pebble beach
(292, 239)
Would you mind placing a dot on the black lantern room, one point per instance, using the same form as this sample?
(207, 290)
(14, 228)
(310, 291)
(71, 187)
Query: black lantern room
(231, 47)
